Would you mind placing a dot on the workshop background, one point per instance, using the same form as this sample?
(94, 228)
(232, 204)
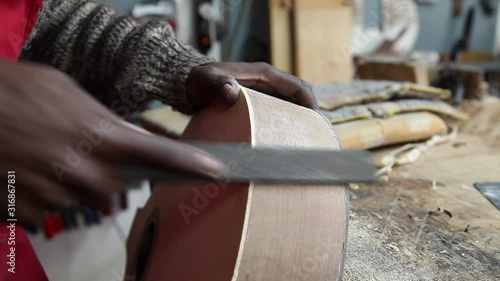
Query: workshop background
(445, 51)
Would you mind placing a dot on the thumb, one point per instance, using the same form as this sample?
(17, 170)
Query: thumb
(208, 82)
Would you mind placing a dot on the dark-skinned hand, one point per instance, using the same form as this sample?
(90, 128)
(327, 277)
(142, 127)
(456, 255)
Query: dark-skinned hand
(220, 80)
(64, 146)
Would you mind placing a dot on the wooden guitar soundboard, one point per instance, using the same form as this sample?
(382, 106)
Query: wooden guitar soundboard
(216, 231)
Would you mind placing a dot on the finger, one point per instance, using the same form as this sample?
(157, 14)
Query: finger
(273, 81)
(170, 154)
(305, 96)
(93, 183)
(206, 83)
(230, 92)
(47, 194)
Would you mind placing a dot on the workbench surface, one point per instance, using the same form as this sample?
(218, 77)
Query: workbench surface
(428, 222)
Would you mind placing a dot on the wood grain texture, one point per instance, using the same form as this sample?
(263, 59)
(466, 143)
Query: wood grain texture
(247, 231)
(306, 233)
(323, 44)
(281, 37)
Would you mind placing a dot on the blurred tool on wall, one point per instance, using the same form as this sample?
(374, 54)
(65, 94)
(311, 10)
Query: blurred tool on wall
(209, 28)
(161, 10)
(197, 22)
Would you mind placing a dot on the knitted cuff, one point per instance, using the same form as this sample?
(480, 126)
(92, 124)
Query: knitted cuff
(159, 66)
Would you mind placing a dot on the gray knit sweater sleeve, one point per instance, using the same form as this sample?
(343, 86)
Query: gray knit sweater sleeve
(120, 62)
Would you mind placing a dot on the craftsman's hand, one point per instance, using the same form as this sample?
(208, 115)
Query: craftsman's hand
(64, 146)
(221, 80)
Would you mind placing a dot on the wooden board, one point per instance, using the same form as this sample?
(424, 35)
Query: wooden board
(315, 4)
(470, 56)
(323, 44)
(218, 231)
(415, 72)
(165, 121)
(282, 30)
(281, 35)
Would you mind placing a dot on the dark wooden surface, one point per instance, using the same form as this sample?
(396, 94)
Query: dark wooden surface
(428, 222)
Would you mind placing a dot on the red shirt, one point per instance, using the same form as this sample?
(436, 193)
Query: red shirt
(17, 18)
(18, 261)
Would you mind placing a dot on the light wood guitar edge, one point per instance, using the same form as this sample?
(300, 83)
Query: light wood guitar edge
(347, 204)
(244, 233)
(249, 199)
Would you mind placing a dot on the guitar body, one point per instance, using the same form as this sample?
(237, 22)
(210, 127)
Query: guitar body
(216, 231)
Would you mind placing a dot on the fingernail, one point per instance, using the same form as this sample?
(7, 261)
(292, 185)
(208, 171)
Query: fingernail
(230, 93)
(215, 168)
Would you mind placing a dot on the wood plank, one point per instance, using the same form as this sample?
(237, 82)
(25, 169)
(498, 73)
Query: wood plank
(415, 72)
(281, 35)
(319, 4)
(470, 56)
(323, 44)
(165, 121)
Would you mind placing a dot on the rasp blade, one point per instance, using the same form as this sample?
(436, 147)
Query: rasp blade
(274, 165)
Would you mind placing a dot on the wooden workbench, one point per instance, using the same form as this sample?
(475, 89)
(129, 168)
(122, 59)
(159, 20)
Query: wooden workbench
(428, 222)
